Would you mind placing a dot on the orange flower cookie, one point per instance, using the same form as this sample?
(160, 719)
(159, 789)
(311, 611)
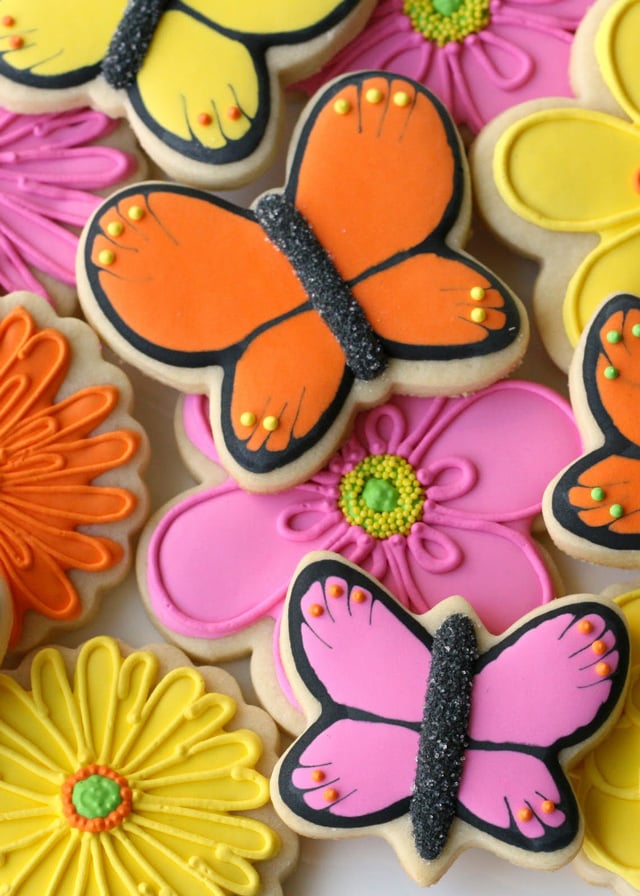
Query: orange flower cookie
(127, 772)
(70, 465)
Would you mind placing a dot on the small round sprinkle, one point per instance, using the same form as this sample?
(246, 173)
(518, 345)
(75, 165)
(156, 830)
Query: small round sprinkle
(316, 610)
(342, 106)
(611, 372)
(16, 41)
(614, 336)
(234, 113)
(525, 814)
(477, 293)
(205, 119)
(616, 511)
(106, 256)
(335, 591)
(599, 647)
(8, 21)
(331, 794)
(270, 423)
(548, 807)
(603, 669)
(136, 213)
(248, 418)
(598, 494)
(401, 98)
(585, 627)
(478, 315)
(635, 329)
(318, 775)
(115, 228)
(358, 596)
(374, 96)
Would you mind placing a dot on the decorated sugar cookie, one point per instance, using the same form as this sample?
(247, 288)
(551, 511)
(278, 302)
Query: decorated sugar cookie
(433, 496)
(324, 298)
(592, 508)
(567, 179)
(434, 735)
(52, 170)
(200, 82)
(128, 771)
(70, 466)
(479, 56)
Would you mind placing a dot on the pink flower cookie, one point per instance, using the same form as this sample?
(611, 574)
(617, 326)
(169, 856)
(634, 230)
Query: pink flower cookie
(479, 56)
(433, 496)
(53, 169)
(433, 734)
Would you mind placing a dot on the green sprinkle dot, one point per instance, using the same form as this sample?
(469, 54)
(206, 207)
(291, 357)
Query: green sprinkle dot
(616, 511)
(96, 796)
(635, 329)
(614, 336)
(598, 494)
(611, 372)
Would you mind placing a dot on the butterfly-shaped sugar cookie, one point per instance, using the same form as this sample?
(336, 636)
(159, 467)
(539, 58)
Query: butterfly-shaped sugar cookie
(592, 508)
(199, 80)
(433, 734)
(325, 297)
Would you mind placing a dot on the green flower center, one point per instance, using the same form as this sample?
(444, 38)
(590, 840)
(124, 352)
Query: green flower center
(445, 21)
(96, 796)
(382, 495)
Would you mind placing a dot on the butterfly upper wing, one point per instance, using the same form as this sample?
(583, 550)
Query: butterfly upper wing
(596, 498)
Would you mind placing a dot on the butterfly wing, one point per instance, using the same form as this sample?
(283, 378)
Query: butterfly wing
(595, 499)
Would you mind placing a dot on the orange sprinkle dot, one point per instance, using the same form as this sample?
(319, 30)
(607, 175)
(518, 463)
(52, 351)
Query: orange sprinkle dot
(318, 775)
(335, 591)
(358, 596)
(585, 627)
(599, 647)
(331, 794)
(16, 41)
(548, 807)
(8, 21)
(525, 814)
(603, 669)
(316, 610)
(234, 113)
(205, 119)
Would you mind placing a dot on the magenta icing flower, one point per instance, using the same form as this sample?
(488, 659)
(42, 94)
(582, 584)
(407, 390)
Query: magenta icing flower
(49, 170)
(433, 496)
(479, 56)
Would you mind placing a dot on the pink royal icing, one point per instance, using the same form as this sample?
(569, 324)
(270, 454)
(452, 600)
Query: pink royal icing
(49, 171)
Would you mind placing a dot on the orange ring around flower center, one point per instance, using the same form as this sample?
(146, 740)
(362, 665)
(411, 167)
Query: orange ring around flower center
(96, 825)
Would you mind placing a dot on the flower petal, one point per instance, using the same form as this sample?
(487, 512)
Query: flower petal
(96, 694)
(53, 697)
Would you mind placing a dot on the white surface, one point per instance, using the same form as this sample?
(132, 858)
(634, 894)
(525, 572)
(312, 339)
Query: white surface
(363, 866)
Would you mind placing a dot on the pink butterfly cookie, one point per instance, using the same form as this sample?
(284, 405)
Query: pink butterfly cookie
(481, 759)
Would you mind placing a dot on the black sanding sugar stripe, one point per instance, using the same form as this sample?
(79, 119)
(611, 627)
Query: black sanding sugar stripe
(326, 289)
(131, 41)
(443, 735)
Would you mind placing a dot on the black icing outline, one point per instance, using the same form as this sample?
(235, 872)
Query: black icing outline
(553, 839)
(615, 444)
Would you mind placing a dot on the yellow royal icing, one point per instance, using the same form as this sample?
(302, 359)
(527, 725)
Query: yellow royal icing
(161, 782)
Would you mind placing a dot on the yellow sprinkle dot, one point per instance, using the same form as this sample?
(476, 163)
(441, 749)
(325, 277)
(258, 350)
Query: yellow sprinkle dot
(342, 107)
(477, 293)
(401, 98)
(115, 228)
(270, 423)
(248, 418)
(373, 95)
(136, 212)
(106, 256)
(478, 315)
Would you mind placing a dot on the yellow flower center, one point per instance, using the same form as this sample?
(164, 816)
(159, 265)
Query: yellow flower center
(382, 495)
(445, 21)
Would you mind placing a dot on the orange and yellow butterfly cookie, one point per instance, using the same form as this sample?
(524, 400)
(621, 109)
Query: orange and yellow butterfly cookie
(200, 80)
(325, 297)
(71, 456)
(131, 772)
(560, 179)
(592, 509)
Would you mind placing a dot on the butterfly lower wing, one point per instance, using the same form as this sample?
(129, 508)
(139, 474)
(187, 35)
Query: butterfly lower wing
(56, 51)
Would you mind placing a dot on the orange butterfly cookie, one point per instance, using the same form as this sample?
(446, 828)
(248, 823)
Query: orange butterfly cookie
(348, 284)
(592, 509)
